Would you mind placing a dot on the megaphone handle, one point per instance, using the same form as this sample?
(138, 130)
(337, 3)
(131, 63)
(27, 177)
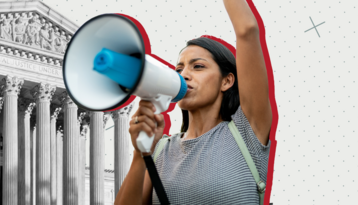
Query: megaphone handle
(161, 103)
(144, 142)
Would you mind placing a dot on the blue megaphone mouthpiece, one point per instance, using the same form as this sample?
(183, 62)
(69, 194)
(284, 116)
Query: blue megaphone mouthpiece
(125, 70)
(121, 68)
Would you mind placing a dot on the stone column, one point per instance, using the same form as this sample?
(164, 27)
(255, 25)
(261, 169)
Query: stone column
(33, 163)
(122, 144)
(43, 95)
(10, 90)
(59, 165)
(24, 183)
(1, 102)
(53, 139)
(96, 158)
(70, 151)
(81, 157)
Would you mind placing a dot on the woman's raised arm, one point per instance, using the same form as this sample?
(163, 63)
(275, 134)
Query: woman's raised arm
(251, 69)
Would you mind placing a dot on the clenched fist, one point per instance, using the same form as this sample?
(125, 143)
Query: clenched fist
(146, 121)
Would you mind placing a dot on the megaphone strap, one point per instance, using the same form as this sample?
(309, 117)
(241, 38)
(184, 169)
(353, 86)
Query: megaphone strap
(157, 183)
(250, 163)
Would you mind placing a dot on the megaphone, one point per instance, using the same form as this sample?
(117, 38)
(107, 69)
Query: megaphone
(105, 63)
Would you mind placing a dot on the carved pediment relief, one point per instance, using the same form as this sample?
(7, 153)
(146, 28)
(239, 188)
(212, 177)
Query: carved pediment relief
(32, 29)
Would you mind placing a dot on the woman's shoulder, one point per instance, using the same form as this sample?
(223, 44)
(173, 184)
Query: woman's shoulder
(245, 129)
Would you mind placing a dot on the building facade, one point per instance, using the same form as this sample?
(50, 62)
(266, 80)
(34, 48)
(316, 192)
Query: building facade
(43, 132)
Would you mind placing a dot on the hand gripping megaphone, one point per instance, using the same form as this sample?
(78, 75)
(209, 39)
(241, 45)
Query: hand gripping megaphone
(105, 63)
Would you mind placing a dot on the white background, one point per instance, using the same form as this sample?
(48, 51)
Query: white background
(315, 76)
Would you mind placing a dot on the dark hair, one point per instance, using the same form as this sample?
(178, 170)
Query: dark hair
(227, 64)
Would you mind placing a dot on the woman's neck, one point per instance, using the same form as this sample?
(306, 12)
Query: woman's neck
(201, 121)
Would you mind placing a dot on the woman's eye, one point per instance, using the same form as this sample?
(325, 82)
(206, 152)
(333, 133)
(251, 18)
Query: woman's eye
(178, 70)
(198, 66)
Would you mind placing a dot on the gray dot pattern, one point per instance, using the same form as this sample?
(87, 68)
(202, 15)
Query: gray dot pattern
(210, 169)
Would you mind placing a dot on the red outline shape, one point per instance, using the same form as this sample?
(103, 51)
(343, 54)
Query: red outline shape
(271, 83)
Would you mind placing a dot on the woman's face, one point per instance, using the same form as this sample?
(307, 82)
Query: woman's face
(202, 75)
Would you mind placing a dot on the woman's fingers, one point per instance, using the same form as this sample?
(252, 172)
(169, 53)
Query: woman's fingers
(136, 128)
(147, 104)
(144, 110)
(147, 129)
(160, 121)
(144, 119)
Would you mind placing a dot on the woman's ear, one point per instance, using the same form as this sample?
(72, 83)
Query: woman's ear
(227, 82)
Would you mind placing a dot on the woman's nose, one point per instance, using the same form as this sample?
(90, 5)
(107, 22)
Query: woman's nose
(185, 73)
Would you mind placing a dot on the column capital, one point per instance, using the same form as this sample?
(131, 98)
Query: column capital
(85, 129)
(66, 101)
(11, 85)
(43, 92)
(105, 118)
(122, 112)
(59, 130)
(26, 105)
(30, 107)
(81, 117)
(56, 112)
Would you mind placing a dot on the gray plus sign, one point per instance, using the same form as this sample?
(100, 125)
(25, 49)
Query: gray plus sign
(315, 27)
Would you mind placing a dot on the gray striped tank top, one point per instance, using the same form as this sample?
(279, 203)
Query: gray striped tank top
(210, 169)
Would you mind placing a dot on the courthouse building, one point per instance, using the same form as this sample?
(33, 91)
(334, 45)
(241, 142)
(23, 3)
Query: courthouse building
(43, 133)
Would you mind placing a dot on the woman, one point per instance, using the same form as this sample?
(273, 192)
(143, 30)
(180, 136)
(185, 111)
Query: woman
(203, 164)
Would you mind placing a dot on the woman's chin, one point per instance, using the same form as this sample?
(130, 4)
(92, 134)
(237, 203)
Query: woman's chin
(184, 105)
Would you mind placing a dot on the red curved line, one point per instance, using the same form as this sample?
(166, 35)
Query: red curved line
(272, 101)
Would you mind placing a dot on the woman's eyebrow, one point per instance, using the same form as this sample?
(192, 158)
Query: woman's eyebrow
(191, 61)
